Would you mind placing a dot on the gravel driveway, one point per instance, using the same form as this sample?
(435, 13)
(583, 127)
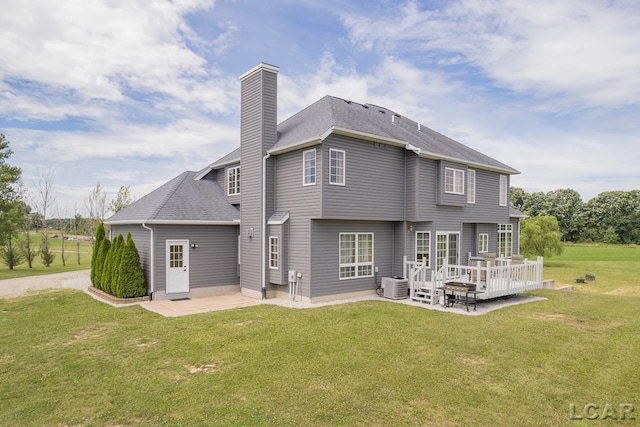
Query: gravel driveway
(11, 288)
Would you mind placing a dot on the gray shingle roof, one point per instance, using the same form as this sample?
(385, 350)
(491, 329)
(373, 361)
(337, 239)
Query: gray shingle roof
(182, 199)
(331, 112)
(371, 119)
(516, 213)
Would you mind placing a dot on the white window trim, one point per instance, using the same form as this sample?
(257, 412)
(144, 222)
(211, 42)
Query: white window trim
(428, 233)
(460, 180)
(483, 243)
(237, 186)
(458, 241)
(356, 264)
(506, 229)
(344, 167)
(272, 253)
(504, 190)
(471, 186)
(304, 167)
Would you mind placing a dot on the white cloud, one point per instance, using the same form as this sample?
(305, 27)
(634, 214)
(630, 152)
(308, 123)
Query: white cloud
(99, 50)
(585, 51)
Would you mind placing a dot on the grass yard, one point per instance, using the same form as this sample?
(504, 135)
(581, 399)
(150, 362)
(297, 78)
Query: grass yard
(616, 267)
(67, 359)
(71, 256)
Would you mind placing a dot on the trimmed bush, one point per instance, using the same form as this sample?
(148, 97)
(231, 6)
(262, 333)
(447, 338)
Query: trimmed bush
(103, 250)
(100, 235)
(112, 263)
(131, 282)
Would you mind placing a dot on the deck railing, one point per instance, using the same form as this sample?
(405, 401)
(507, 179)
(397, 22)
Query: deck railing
(506, 278)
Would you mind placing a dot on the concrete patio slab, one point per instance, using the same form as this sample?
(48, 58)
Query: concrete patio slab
(198, 305)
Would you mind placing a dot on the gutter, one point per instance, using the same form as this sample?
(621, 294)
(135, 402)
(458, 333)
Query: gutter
(421, 153)
(173, 222)
(153, 263)
(263, 237)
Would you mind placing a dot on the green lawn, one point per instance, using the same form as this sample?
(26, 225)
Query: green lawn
(616, 268)
(71, 256)
(67, 359)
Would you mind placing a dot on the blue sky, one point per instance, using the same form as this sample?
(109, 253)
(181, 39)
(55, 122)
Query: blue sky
(135, 92)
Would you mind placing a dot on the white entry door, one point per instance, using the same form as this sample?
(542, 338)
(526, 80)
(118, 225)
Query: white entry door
(177, 266)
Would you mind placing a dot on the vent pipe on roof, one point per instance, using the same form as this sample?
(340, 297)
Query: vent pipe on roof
(419, 129)
(393, 118)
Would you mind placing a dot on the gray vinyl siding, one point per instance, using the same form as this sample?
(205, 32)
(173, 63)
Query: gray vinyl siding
(142, 239)
(374, 181)
(325, 255)
(468, 244)
(400, 244)
(302, 203)
(485, 210)
(413, 185)
(212, 263)
(516, 235)
(487, 207)
(258, 134)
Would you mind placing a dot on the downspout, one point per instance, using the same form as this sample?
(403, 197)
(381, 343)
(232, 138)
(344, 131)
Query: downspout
(264, 225)
(153, 263)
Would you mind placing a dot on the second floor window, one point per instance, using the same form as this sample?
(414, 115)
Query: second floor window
(453, 181)
(309, 167)
(504, 190)
(233, 181)
(336, 167)
(471, 186)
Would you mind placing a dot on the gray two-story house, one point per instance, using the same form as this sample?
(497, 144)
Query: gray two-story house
(334, 198)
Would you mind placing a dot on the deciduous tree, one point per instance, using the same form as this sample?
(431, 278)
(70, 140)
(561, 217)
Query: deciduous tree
(122, 200)
(45, 198)
(540, 236)
(10, 211)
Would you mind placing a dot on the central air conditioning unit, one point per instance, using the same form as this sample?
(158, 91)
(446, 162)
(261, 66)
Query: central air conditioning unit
(395, 287)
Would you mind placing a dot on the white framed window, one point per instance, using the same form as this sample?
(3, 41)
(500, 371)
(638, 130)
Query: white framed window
(483, 243)
(336, 167)
(453, 181)
(505, 239)
(274, 252)
(356, 255)
(504, 190)
(471, 186)
(309, 167)
(233, 181)
(423, 247)
(447, 248)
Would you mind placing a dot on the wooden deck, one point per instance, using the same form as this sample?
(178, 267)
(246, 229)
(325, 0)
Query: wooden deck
(505, 278)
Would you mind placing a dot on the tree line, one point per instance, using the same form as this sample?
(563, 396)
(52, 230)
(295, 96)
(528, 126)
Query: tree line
(610, 217)
(25, 212)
